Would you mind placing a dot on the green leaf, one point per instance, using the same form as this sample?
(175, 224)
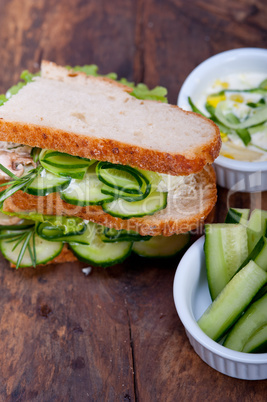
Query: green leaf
(140, 91)
(194, 108)
(8, 172)
(26, 76)
(23, 249)
(263, 84)
(3, 99)
(20, 183)
(15, 89)
(243, 133)
(260, 103)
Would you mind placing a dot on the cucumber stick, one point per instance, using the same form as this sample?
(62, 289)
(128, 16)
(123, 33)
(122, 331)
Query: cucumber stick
(261, 258)
(257, 227)
(257, 343)
(225, 250)
(231, 302)
(247, 326)
(237, 215)
(258, 254)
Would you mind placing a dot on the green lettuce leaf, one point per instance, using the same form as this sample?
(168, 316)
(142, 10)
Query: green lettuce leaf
(25, 77)
(140, 91)
(68, 224)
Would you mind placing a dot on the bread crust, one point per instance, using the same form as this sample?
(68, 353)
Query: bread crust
(66, 255)
(110, 150)
(183, 213)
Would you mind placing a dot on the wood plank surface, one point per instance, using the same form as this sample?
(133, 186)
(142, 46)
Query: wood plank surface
(114, 335)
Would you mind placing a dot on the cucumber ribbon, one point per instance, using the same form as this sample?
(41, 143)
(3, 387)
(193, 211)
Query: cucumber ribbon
(259, 116)
(123, 181)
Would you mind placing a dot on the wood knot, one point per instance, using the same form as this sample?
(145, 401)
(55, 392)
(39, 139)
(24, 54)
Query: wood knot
(78, 329)
(78, 363)
(44, 310)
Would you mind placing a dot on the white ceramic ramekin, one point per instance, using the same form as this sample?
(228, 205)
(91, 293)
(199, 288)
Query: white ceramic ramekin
(191, 297)
(232, 174)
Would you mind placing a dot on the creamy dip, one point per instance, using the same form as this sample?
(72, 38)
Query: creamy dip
(232, 145)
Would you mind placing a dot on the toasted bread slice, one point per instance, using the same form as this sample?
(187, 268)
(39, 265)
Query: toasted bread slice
(97, 118)
(187, 207)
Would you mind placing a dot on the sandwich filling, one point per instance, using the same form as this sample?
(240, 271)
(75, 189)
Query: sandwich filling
(122, 191)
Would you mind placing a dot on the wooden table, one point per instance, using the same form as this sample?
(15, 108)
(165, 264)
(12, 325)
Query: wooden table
(114, 335)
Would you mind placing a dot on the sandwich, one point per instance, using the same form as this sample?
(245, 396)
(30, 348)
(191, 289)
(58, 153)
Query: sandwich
(94, 171)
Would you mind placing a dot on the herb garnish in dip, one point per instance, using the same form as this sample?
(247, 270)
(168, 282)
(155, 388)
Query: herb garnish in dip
(238, 105)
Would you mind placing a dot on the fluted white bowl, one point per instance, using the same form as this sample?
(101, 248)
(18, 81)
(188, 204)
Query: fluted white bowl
(232, 174)
(191, 297)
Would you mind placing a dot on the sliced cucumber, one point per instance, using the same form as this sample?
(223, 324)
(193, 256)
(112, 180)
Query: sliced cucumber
(232, 301)
(123, 181)
(21, 225)
(63, 160)
(119, 177)
(68, 224)
(85, 192)
(47, 183)
(253, 319)
(35, 152)
(76, 174)
(56, 233)
(225, 250)
(116, 193)
(113, 235)
(102, 254)
(121, 208)
(257, 343)
(237, 215)
(153, 178)
(257, 227)
(161, 246)
(45, 251)
(64, 165)
(256, 118)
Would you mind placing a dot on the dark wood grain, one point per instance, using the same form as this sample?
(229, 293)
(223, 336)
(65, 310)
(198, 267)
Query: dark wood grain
(114, 335)
(180, 34)
(64, 336)
(68, 32)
